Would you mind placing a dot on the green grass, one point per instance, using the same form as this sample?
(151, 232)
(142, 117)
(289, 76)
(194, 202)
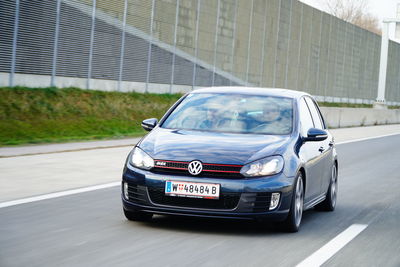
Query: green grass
(394, 107)
(344, 105)
(46, 115)
(350, 105)
(43, 115)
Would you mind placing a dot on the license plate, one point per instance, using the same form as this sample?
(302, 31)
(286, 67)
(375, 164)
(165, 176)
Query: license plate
(194, 190)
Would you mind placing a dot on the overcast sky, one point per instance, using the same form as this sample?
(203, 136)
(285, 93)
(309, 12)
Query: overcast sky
(380, 8)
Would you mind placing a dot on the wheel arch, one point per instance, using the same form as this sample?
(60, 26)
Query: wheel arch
(304, 177)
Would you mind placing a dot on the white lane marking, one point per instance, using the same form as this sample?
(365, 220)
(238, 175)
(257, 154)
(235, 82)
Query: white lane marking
(323, 254)
(57, 194)
(97, 187)
(366, 138)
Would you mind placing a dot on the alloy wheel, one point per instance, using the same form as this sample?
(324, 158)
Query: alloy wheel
(299, 199)
(334, 185)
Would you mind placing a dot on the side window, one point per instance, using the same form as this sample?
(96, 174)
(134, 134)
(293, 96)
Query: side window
(305, 117)
(320, 114)
(315, 114)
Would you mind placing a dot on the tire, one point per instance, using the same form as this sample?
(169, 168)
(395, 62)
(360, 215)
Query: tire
(329, 203)
(293, 221)
(138, 215)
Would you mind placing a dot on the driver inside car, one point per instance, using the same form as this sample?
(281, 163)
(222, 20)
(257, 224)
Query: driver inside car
(271, 120)
(211, 120)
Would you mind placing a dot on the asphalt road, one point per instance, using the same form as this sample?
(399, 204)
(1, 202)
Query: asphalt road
(89, 229)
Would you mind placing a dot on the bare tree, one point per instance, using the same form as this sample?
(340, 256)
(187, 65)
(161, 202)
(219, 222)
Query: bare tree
(354, 11)
(369, 22)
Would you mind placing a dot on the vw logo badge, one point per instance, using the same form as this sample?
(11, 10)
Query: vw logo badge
(195, 167)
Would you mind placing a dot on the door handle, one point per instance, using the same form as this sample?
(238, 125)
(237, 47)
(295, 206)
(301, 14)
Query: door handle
(321, 149)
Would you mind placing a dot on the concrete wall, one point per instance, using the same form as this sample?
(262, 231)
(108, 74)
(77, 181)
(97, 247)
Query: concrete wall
(350, 117)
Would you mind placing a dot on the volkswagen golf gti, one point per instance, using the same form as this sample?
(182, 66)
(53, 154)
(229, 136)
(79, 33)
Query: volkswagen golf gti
(234, 152)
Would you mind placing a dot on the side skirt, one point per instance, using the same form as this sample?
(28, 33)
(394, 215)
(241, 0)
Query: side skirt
(314, 202)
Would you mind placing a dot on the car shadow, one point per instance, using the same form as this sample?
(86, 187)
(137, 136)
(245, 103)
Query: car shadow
(212, 225)
(226, 226)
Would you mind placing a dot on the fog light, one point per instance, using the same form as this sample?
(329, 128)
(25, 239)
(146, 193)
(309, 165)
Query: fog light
(126, 191)
(274, 200)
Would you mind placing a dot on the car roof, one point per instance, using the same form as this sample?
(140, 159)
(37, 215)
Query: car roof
(251, 91)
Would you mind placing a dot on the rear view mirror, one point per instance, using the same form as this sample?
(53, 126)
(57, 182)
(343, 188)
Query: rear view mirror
(149, 124)
(315, 134)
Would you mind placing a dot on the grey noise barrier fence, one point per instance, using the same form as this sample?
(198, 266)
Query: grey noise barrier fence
(169, 46)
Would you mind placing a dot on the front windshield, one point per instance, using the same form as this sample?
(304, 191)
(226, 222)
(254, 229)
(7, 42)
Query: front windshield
(233, 113)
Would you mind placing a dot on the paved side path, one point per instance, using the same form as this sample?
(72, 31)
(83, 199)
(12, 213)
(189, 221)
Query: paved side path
(348, 134)
(49, 168)
(65, 147)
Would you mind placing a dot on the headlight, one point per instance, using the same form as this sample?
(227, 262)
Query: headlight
(263, 167)
(140, 159)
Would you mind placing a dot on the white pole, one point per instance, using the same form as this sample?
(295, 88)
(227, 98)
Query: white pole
(380, 100)
(383, 64)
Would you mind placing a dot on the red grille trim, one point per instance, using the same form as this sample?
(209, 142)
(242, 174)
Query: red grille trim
(205, 165)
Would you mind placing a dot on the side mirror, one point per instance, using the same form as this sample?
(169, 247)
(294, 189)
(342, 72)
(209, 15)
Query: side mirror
(315, 134)
(149, 124)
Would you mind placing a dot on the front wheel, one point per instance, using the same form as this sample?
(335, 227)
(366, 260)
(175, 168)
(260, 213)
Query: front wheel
(137, 215)
(292, 222)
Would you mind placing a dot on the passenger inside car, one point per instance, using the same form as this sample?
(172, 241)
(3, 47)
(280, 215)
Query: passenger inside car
(273, 120)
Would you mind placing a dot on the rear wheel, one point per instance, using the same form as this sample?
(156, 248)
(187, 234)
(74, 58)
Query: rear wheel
(329, 203)
(137, 215)
(293, 221)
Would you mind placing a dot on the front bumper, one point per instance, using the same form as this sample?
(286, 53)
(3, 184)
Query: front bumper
(239, 199)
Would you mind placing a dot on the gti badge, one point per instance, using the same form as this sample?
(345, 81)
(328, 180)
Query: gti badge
(195, 167)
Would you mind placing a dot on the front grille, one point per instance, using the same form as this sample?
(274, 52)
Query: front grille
(209, 169)
(203, 174)
(261, 204)
(226, 201)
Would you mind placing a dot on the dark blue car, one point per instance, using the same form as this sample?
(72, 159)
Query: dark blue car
(234, 152)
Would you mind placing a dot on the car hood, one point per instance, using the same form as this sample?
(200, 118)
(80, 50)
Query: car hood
(210, 147)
